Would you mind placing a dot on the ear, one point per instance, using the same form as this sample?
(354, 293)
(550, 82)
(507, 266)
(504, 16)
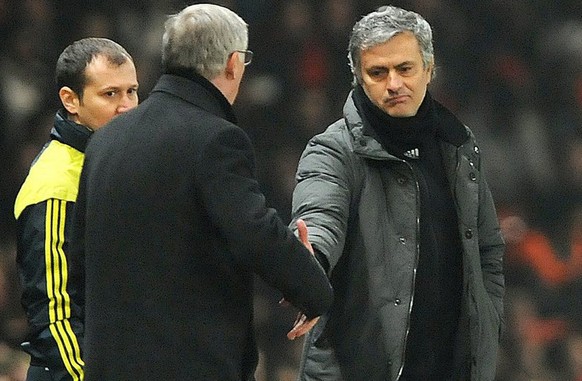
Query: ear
(231, 65)
(69, 99)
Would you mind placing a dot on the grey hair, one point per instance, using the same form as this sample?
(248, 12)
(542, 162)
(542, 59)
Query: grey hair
(201, 38)
(380, 26)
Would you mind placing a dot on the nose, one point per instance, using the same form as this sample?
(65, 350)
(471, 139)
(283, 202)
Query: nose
(394, 82)
(127, 103)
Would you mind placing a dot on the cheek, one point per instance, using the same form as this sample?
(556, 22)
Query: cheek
(424, 80)
(101, 113)
(418, 87)
(374, 90)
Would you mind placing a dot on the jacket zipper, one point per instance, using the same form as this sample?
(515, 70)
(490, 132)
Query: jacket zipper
(417, 194)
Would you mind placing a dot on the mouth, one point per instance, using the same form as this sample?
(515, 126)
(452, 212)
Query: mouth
(392, 101)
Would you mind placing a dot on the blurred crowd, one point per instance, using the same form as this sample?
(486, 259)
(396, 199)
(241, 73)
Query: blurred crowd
(511, 70)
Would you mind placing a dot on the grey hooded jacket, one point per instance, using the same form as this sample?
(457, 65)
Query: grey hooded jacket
(361, 206)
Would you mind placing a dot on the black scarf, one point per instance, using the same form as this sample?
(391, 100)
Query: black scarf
(71, 133)
(399, 135)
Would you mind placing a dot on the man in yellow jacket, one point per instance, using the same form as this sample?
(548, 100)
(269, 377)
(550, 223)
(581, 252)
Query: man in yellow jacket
(97, 80)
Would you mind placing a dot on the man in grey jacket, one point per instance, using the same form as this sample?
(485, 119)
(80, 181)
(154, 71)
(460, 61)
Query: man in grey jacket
(400, 215)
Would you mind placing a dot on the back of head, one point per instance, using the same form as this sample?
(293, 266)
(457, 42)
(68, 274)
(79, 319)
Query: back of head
(70, 70)
(380, 26)
(201, 37)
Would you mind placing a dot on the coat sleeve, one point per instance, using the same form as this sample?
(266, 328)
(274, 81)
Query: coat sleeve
(324, 192)
(48, 295)
(491, 243)
(491, 248)
(256, 237)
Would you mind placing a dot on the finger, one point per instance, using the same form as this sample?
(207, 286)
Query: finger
(302, 228)
(298, 321)
(299, 330)
(301, 327)
(305, 327)
(303, 234)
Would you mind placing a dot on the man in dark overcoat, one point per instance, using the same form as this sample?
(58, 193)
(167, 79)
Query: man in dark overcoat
(171, 224)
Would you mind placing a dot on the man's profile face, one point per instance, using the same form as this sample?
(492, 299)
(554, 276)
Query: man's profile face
(393, 75)
(110, 90)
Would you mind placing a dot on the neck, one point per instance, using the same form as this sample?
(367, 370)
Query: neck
(226, 88)
(211, 87)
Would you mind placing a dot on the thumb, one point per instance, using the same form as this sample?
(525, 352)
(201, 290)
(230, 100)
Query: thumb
(303, 235)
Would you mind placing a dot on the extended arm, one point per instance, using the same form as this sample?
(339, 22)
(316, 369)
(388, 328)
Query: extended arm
(256, 236)
(323, 195)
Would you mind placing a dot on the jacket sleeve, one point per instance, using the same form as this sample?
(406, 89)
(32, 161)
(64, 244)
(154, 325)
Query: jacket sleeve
(48, 296)
(491, 248)
(323, 194)
(257, 238)
(491, 243)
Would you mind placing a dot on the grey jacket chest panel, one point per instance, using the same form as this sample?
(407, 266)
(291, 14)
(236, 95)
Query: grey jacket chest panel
(387, 215)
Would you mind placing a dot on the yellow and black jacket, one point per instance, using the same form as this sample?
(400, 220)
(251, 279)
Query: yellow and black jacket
(44, 210)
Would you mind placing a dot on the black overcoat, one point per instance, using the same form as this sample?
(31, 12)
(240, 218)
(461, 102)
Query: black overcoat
(170, 228)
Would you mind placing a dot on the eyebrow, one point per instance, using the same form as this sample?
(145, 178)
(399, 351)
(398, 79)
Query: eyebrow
(405, 63)
(400, 65)
(377, 67)
(109, 88)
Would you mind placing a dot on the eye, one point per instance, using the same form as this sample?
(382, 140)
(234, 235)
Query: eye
(405, 70)
(111, 93)
(377, 73)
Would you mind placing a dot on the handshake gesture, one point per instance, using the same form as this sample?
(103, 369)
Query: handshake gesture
(302, 325)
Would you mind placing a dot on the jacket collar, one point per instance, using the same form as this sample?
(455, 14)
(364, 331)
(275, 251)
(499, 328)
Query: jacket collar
(68, 132)
(450, 130)
(195, 89)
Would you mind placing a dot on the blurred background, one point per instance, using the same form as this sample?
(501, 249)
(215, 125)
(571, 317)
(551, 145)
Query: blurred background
(511, 70)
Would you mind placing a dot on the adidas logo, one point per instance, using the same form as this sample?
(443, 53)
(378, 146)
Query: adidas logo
(413, 153)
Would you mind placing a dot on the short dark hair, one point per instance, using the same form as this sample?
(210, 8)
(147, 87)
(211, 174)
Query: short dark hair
(70, 70)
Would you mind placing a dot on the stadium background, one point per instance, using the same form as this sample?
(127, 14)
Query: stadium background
(511, 70)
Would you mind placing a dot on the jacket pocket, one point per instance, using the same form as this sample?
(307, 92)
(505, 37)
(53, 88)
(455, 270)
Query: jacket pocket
(485, 358)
